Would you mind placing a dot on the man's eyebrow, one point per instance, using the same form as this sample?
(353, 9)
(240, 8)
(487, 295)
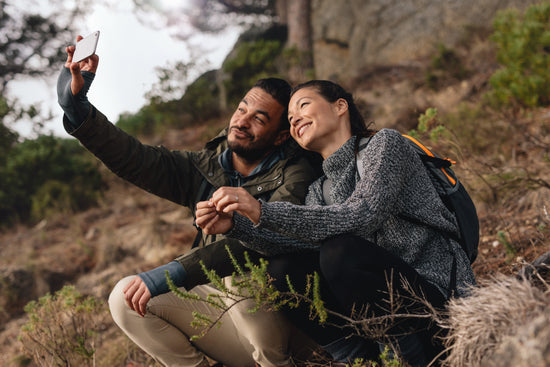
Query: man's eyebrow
(261, 112)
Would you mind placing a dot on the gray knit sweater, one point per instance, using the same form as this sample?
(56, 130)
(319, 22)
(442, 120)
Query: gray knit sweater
(394, 186)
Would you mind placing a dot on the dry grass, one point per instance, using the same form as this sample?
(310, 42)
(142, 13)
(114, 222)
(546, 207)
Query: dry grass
(497, 311)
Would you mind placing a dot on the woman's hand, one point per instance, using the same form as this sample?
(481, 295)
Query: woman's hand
(210, 221)
(230, 199)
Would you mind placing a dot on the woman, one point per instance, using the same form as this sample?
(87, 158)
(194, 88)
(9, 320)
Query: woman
(372, 227)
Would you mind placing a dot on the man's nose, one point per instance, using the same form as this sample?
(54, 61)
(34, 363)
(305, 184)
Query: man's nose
(243, 121)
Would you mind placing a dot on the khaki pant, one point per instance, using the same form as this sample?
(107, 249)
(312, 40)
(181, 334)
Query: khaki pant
(242, 339)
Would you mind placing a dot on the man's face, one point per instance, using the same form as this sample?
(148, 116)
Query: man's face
(254, 127)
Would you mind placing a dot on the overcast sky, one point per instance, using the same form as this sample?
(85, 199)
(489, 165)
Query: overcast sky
(129, 52)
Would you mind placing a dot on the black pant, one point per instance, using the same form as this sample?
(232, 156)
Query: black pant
(353, 273)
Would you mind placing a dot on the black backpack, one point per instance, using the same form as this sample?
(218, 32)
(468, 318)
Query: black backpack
(452, 193)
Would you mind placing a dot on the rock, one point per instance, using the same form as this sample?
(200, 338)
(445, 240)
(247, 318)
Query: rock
(350, 35)
(17, 288)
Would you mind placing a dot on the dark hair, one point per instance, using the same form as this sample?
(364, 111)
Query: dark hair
(331, 92)
(279, 89)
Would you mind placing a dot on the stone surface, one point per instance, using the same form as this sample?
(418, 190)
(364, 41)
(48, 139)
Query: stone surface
(349, 36)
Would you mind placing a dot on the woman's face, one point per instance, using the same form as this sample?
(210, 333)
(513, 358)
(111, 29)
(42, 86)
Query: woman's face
(316, 124)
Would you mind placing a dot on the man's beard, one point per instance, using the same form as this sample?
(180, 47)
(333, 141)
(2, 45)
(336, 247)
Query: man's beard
(253, 151)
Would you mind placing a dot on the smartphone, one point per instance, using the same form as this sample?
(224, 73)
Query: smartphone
(86, 47)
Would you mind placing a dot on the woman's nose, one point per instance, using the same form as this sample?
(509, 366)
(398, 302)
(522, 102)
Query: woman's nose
(295, 120)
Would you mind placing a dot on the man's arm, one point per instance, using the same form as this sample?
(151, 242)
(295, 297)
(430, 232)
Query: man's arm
(164, 173)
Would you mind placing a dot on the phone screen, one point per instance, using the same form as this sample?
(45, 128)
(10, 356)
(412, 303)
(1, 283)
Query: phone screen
(86, 47)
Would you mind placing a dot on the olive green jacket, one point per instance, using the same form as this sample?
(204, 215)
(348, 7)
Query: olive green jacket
(179, 176)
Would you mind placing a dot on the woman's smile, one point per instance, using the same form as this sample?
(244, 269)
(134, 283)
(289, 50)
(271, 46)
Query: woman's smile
(300, 131)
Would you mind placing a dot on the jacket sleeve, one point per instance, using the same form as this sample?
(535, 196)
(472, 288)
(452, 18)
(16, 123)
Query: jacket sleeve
(168, 174)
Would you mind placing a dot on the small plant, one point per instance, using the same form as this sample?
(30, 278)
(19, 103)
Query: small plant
(509, 247)
(523, 43)
(428, 123)
(253, 283)
(62, 329)
(446, 65)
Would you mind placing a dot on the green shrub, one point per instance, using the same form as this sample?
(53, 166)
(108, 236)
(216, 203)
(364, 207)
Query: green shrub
(251, 61)
(200, 102)
(62, 329)
(446, 65)
(523, 44)
(35, 171)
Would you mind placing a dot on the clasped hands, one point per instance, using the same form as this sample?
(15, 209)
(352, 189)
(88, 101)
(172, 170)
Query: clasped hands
(215, 216)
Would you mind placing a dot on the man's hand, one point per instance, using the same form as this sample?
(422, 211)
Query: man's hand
(90, 64)
(72, 86)
(230, 199)
(210, 220)
(137, 295)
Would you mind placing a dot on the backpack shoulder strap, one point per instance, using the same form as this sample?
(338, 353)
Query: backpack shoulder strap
(358, 162)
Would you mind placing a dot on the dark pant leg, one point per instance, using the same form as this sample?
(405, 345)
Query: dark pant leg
(335, 335)
(297, 267)
(358, 272)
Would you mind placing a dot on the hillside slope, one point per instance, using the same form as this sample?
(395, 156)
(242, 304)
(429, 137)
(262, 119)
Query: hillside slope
(132, 230)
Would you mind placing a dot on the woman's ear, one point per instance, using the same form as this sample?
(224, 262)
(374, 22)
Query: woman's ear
(341, 105)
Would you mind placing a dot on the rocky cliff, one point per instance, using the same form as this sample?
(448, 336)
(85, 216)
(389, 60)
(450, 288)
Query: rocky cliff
(349, 36)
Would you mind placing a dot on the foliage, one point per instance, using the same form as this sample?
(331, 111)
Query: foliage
(523, 43)
(172, 81)
(429, 124)
(251, 61)
(33, 38)
(62, 329)
(255, 56)
(254, 283)
(446, 65)
(8, 138)
(45, 173)
(201, 100)
(293, 58)
(509, 247)
(199, 103)
(32, 45)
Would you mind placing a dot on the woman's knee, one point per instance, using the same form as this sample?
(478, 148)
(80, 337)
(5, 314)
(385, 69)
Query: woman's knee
(335, 257)
(294, 266)
(278, 268)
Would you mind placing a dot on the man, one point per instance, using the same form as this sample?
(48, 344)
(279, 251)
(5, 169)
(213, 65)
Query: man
(254, 152)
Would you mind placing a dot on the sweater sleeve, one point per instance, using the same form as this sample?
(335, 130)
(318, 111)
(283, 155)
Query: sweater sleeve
(265, 241)
(386, 166)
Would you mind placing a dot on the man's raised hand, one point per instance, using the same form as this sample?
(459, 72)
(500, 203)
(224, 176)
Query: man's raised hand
(89, 64)
(73, 83)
